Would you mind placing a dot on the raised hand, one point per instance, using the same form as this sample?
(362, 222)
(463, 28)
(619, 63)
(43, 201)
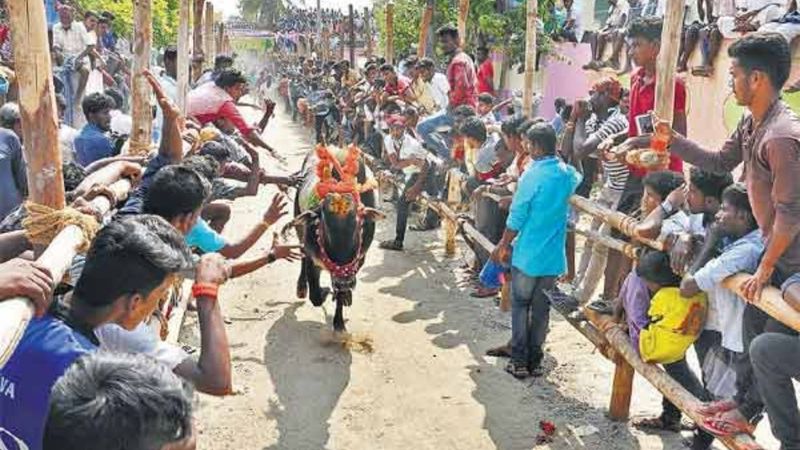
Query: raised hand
(276, 211)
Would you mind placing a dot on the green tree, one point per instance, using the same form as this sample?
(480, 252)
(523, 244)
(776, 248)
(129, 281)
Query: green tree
(265, 12)
(165, 17)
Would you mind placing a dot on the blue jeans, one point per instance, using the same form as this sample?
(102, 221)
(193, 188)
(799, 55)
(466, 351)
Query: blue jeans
(530, 317)
(434, 142)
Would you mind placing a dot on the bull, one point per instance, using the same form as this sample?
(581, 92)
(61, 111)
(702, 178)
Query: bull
(335, 219)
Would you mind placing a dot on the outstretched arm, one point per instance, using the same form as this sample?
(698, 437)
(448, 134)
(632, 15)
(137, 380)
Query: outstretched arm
(171, 146)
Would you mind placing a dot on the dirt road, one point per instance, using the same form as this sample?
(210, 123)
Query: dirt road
(425, 385)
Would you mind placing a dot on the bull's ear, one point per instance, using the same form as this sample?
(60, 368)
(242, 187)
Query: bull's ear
(372, 215)
(300, 220)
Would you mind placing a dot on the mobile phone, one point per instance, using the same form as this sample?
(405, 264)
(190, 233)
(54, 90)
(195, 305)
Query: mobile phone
(644, 124)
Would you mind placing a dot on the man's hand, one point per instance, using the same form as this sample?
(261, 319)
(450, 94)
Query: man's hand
(212, 269)
(500, 253)
(22, 278)
(580, 110)
(677, 198)
(681, 254)
(276, 211)
(621, 151)
(752, 287)
(290, 253)
(170, 109)
(412, 193)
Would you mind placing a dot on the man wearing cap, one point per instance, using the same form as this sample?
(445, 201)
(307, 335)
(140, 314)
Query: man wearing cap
(407, 156)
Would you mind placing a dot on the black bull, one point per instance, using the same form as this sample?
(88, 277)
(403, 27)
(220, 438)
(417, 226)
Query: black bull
(335, 239)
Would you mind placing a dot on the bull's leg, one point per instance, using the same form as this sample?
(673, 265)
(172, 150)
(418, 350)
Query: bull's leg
(317, 294)
(302, 280)
(338, 318)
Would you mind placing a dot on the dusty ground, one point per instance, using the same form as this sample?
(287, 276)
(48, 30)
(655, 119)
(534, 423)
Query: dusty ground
(425, 385)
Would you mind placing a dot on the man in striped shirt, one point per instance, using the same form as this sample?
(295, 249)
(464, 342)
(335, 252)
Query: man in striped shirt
(581, 141)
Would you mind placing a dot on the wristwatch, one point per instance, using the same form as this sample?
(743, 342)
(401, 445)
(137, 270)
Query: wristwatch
(667, 207)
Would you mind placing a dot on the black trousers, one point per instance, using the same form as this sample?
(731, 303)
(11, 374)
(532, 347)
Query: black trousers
(404, 206)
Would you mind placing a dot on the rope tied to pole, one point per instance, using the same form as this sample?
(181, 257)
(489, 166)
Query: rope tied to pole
(43, 224)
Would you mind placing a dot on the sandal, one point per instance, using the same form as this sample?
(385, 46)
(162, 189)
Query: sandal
(536, 371)
(503, 351)
(657, 424)
(484, 292)
(392, 245)
(601, 306)
(518, 371)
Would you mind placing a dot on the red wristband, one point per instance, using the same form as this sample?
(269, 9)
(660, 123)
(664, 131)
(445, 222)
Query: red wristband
(205, 290)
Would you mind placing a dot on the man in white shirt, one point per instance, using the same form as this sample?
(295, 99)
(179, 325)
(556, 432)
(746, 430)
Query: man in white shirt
(440, 87)
(406, 155)
(71, 44)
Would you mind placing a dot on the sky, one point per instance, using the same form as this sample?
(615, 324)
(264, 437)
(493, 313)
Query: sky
(231, 7)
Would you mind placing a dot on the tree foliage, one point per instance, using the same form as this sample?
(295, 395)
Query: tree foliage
(486, 24)
(264, 12)
(165, 17)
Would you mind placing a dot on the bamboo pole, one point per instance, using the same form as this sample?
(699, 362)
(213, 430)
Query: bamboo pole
(665, 384)
(425, 29)
(352, 36)
(530, 57)
(16, 313)
(208, 36)
(142, 113)
(184, 38)
(341, 40)
(389, 32)
(618, 220)
(198, 56)
(463, 15)
(623, 247)
(668, 60)
(368, 31)
(37, 102)
(319, 20)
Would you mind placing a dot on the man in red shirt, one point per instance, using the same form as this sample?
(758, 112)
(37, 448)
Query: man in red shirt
(485, 72)
(645, 42)
(397, 86)
(462, 79)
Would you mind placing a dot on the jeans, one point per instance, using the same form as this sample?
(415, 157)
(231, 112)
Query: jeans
(594, 256)
(776, 360)
(490, 220)
(530, 317)
(434, 142)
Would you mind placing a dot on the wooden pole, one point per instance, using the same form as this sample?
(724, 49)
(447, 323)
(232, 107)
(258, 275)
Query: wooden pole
(771, 301)
(463, 15)
(342, 40)
(425, 29)
(220, 43)
(208, 36)
(319, 21)
(16, 313)
(198, 56)
(184, 29)
(668, 60)
(368, 31)
(665, 384)
(389, 33)
(352, 36)
(530, 56)
(37, 102)
(142, 113)
(618, 220)
(607, 241)
(619, 407)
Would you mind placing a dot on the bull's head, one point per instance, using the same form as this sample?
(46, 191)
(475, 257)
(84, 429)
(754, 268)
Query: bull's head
(339, 236)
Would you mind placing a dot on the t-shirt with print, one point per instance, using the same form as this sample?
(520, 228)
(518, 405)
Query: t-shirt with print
(47, 349)
(615, 172)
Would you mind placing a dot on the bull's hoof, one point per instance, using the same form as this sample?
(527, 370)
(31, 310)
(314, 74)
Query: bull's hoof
(346, 297)
(338, 325)
(323, 295)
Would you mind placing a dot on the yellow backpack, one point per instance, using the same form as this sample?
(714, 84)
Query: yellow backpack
(675, 323)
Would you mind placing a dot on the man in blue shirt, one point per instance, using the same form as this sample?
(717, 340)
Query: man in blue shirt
(149, 252)
(13, 178)
(93, 142)
(537, 224)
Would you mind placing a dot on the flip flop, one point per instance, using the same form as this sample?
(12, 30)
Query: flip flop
(482, 292)
(518, 371)
(391, 245)
(504, 351)
(657, 424)
(721, 427)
